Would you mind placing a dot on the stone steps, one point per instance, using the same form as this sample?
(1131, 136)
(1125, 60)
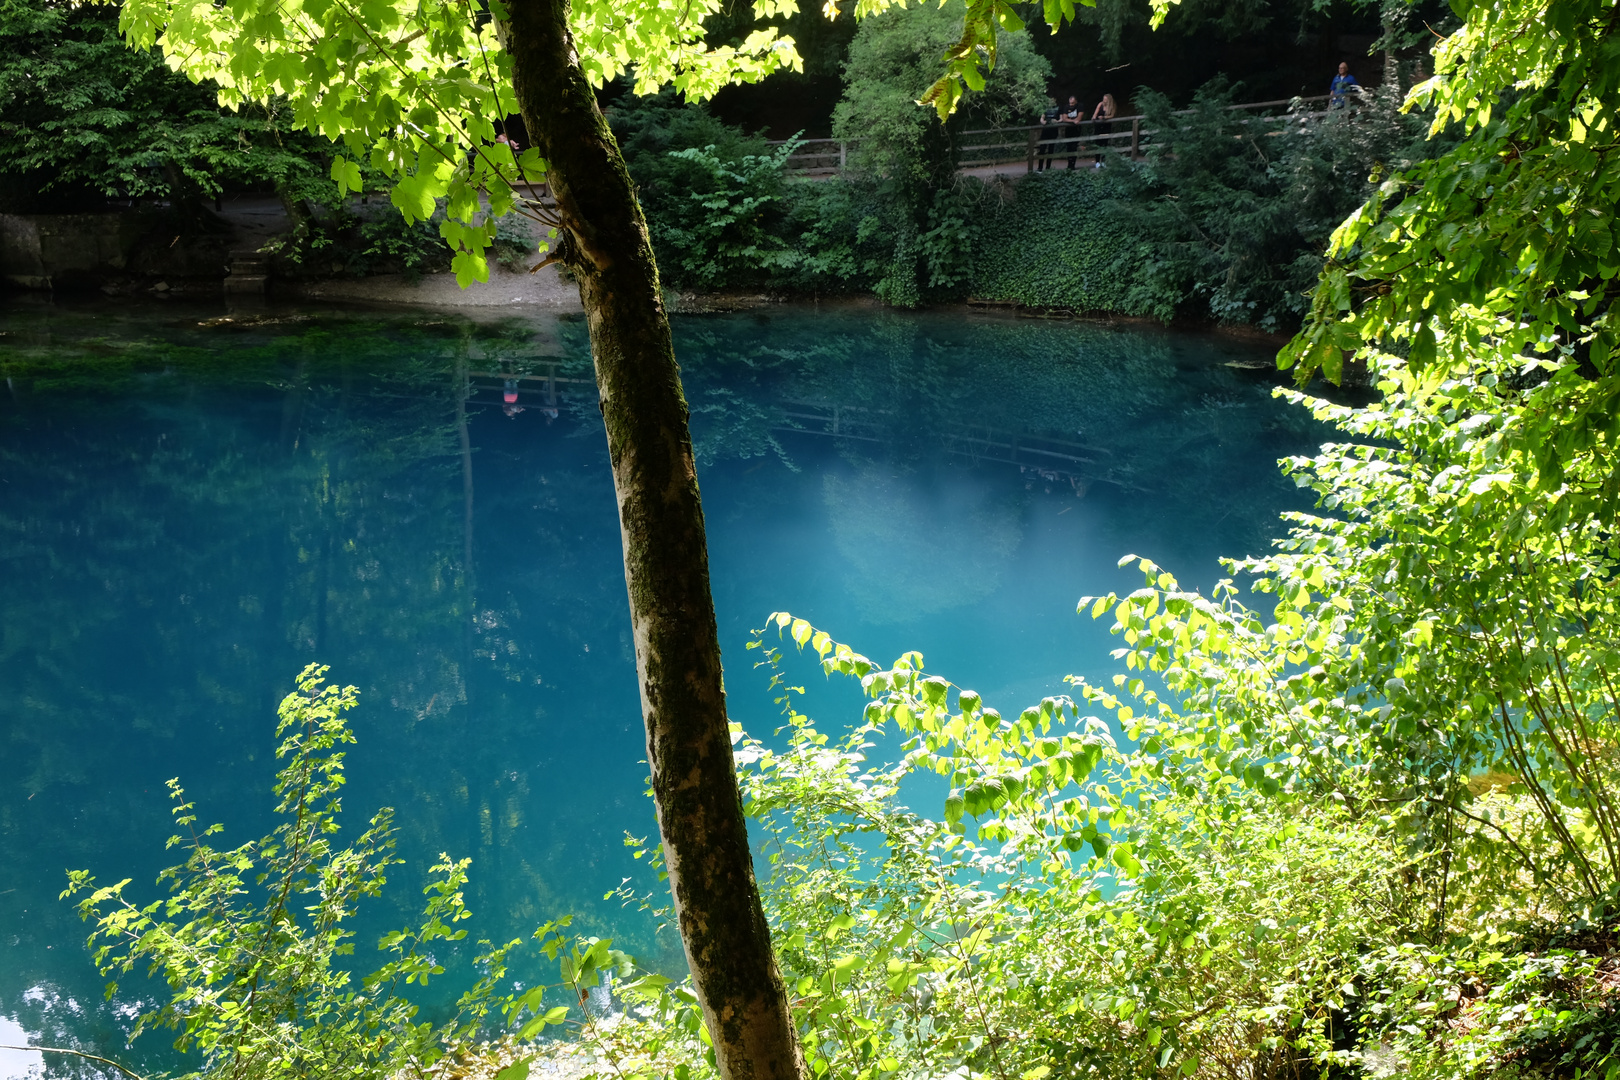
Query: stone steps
(249, 272)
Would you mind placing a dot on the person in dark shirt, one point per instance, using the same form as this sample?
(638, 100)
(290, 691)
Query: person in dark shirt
(1343, 83)
(1072, 115)
(1049, 135)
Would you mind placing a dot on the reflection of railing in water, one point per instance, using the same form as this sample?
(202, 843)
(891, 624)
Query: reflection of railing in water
(1048, 458)
(508, 390)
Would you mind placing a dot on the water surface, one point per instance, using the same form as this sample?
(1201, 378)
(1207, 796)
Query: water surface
(192, 508)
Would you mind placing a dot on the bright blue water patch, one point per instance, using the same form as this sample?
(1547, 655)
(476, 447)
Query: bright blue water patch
(191, 510)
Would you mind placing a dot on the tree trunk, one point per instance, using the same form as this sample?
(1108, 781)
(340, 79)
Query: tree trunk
(700, 817)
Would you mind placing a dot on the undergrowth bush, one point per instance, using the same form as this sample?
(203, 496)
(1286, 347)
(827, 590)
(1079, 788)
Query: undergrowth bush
(341, 241)
(899, 224)
(725, 229)
(1065, 915)
(357, 243)
(251, 940)
(724, 214)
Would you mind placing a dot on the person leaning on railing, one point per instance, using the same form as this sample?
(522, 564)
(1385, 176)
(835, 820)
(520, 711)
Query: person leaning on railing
(1073, 114)
(1102, 121)
(1049, 135)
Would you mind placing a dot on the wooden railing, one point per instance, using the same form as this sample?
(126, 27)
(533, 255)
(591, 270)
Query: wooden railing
(1025, 144)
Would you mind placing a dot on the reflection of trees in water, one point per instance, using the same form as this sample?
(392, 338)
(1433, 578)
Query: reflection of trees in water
(50, 1014)
(1154, 416)
(321, 473)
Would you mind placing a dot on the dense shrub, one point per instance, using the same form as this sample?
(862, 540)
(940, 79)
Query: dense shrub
(835, 225)
(724, 214)
(713, 196)
(726, 227)
(709, 190)
(908, 156)
(899, 224)
(649, 128)
(1232, 212)
(361, 240)
(1227, 218)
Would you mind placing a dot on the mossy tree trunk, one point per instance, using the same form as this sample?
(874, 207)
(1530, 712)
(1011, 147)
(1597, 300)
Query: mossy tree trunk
(604, 243)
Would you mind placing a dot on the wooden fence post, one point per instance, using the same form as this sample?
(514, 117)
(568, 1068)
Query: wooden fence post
(843, 154)
(1136, 137)
(1034, 135)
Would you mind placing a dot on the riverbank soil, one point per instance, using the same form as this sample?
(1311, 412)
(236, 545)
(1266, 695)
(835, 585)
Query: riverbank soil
(544, 289)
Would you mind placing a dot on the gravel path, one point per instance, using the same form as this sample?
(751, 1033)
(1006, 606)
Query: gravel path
(256, 219)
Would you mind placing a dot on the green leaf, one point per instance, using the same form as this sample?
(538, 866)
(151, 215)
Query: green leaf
(517, 1070)
(411, 197)
(347, 175)
(470, 266)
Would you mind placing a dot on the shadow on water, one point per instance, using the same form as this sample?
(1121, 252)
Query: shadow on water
(191, 509)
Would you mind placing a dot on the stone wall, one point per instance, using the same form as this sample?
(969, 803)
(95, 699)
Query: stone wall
(50, 251)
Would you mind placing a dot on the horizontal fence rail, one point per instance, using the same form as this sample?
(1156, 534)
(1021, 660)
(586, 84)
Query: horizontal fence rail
(1028, 144)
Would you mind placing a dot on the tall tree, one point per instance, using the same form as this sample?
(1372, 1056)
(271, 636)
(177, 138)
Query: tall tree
(700, 814)
(413, 87)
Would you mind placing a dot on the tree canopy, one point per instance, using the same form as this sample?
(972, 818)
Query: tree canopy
(1506, 241)
(418, 91)
(82, 113)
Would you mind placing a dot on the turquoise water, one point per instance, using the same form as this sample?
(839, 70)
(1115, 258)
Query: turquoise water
(192, 508)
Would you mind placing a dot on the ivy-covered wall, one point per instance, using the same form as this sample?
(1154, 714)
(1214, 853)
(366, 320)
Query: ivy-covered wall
(1052, 242)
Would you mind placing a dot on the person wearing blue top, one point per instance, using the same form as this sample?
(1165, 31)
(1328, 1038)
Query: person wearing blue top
(1342, 84)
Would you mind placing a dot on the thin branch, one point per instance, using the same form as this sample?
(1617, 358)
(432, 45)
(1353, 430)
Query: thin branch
(76, 1053)
(1529, 862)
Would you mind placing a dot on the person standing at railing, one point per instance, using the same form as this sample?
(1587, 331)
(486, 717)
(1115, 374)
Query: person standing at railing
(1073, 114)
(1342, 86)
(1049, 135)
(1102, 121)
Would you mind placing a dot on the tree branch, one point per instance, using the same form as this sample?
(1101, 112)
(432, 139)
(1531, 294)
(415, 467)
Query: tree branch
(76, 1053)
